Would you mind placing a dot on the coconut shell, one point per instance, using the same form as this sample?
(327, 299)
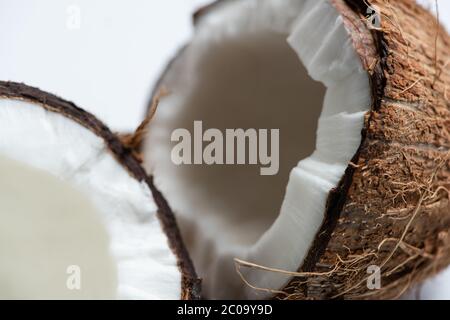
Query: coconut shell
(392, 207)
(190, 287)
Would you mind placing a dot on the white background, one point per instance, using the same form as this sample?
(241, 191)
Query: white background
(109, 65)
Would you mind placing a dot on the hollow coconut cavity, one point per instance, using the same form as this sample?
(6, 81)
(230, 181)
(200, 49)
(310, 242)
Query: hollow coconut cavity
(287, 65)
(321, 73)
(80, 219)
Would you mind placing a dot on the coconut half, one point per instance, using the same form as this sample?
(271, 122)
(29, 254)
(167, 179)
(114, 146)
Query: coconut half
(80, 218)
(360, 96)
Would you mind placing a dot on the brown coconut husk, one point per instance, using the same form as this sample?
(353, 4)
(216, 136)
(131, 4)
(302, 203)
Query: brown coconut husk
(133, 141)
(392, 207)
(190, 287)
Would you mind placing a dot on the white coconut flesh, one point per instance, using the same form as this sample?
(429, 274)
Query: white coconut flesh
(52, 245)
(75, 223)
(263, 64)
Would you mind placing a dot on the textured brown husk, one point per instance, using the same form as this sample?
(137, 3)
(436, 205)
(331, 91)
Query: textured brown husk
(392, 207)
(396, 211)
(9, 90)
